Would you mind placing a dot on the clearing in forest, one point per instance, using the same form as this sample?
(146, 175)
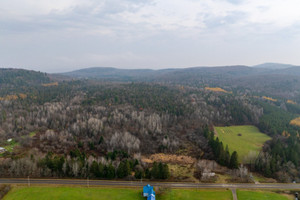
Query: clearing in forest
(246, 140)
(216, 89)
(295, 122)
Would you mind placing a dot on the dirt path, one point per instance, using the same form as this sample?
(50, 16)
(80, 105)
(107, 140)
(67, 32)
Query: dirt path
(234, 194)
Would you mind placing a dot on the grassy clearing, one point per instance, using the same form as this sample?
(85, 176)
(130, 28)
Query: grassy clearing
(295, 122)
(248, 144)
(72, 193)
(182, 172)
(216, 89)
(183, 194)
(259, 195)
(11, 145)
(269, 98)
(32, 134)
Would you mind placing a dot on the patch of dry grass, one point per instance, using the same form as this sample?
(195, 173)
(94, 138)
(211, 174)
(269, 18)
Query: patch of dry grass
(269, 98)
(216, 89)
(295, 122)
(50, 84)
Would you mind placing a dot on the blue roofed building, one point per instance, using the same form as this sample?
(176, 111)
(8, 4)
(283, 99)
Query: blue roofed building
(149, 192)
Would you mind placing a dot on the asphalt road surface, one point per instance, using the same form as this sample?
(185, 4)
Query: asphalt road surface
(84, 182)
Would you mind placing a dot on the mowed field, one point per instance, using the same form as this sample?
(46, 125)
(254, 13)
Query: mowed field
(247, 145)
(72, 193)
(81, 193)
(259, 195)
(184, 194)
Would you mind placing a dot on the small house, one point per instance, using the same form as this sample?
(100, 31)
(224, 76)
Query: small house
(2, 150)
(149, 192)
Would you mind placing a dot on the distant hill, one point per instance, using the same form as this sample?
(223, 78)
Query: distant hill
(22, 77)
(162, 75)
(270, 78)
(282, 82)
(293, 71)
(109, 73)
(19, 79)
(273, 66)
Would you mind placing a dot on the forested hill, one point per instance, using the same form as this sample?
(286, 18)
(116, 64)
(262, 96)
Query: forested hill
(60, 128)
(277, 80)
(20, 80)
(20, 77)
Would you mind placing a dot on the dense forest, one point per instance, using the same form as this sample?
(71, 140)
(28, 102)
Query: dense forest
(102, 128)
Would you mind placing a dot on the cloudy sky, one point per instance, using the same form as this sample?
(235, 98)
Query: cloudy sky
(63, 35)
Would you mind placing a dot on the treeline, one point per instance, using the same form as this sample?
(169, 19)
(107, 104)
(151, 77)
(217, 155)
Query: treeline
(79, 166)
(280, 157)
(222, 156)
(275, 120)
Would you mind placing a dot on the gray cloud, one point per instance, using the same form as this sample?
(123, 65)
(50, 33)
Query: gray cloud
(141, 33)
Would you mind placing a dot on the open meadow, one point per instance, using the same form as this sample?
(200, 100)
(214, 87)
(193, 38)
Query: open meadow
(259, 195)
(246, 140)
(184, 194)
(103, 193)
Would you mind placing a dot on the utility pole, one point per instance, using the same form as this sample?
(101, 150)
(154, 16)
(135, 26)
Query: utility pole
(28, 181)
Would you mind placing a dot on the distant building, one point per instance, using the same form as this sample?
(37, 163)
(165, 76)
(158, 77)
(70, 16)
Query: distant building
(2, 150)
(149, 192)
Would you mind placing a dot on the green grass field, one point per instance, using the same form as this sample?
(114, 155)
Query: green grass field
(182, 194)
(72, 193)
(259, 195)
(247, 145)
(81, 193)
(11, 145)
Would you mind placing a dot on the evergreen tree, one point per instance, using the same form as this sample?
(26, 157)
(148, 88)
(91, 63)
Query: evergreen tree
(227, 156)
(109, 171)
(138, 174)
(101, 171)
(155, 171)
(123, 169)
(165, 172)
(234, 160)
(95, 169)
(147, 173)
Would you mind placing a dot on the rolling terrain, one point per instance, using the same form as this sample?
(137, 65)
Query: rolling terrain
(102, 122)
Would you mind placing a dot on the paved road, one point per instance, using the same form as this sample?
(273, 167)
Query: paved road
(139, 184)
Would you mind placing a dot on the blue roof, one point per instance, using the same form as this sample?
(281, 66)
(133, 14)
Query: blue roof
(147, 189)
(149, 192)
(151, 197)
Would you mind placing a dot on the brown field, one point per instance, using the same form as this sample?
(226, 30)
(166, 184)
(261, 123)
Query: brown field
(216, 89)
(22, 96)
(13, 97)
(295, 122)
(50, 84)
(169, 158)
(269, 98)
(9, 98)
(291, 102)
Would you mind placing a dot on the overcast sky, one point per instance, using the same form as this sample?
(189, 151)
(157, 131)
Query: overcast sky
(63, 35)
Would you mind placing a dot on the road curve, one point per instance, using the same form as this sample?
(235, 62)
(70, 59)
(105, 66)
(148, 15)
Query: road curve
(139, 183)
